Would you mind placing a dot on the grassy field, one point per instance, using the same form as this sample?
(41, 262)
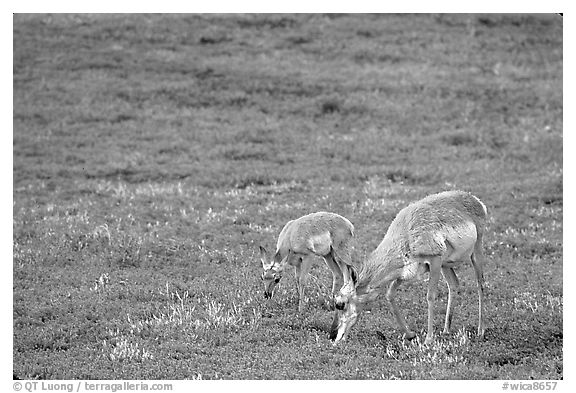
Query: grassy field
(152, 155)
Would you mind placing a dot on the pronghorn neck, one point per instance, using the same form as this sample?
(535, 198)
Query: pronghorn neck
(366, 296)
(382, 266)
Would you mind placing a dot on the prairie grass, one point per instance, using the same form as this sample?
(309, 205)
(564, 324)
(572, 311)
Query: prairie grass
(152, 154)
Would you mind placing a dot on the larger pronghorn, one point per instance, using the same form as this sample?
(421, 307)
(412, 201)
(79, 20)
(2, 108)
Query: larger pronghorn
(323, 234)
(431, 235)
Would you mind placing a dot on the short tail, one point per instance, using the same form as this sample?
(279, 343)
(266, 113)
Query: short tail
(481, 204)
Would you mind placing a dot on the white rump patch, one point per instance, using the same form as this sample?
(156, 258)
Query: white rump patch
(462, 239)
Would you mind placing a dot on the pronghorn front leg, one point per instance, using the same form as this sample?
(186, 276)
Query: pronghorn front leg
(390, 296)
(432, 295)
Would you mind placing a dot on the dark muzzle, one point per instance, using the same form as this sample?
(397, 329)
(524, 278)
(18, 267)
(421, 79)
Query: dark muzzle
(267, 295)
(339, 305)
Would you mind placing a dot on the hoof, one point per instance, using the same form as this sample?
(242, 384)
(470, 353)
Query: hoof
(481, 332)
(333, 335)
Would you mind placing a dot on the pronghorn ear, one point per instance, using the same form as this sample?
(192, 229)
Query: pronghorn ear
(280, 262)
(277, 257)
(263, 252)
(263, 258)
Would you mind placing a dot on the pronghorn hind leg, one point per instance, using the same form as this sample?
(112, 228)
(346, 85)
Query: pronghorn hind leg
(343, 260)
(478, 262)
(453, 289)
(337, 276)
(432, 295)
(390, 296)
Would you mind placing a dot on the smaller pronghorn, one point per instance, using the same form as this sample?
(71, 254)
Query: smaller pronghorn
(431, 235)
(323, 234)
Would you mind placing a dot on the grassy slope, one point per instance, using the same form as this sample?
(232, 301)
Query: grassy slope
(152, 154)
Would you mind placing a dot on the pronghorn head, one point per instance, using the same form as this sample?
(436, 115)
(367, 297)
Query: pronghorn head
(350, 306)
(272, 273)
(347, 318)
(348, 303)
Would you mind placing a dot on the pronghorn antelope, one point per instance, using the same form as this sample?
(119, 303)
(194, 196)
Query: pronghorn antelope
(432, 235)
(324, 234)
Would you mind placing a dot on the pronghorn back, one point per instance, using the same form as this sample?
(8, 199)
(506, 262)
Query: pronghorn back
(448, 216)
(315, 232)
(428, 227)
